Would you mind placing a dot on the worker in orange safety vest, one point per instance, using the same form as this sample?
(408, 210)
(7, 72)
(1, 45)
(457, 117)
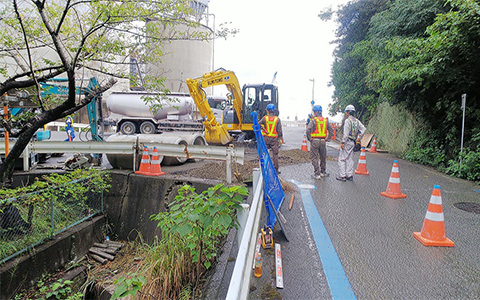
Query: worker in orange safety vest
(318, 132)
(272, 133)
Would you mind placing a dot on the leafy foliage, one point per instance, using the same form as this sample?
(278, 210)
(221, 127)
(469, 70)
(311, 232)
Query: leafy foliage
(420, 55)
(77, 40)
(128, 286)
(191, 232)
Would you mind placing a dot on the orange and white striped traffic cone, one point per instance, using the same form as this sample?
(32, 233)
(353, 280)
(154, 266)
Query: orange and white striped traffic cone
(362, 164)
(393, 188)
(433, 230)
(155, 169)
(373, 149)
(145, 163)
(304, 144)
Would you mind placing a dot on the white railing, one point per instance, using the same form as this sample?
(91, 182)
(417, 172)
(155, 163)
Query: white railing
(222, 153)
(240, 282)
(58, 125)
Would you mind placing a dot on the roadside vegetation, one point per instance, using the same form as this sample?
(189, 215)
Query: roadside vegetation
(33, 213)
(173, 267)
(413, 60)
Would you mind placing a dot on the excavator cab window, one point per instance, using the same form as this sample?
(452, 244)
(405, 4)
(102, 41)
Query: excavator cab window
(256, 98)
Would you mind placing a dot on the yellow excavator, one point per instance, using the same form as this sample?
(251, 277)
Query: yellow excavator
(237, 122)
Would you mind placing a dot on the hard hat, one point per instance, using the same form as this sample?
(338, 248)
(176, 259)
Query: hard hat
(68, 120)
(271, 107)
(349, 108)
(317, 108)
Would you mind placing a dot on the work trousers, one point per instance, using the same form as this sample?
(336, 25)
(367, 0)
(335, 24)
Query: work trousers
(345, 159)
(318, 151)
(272, 145)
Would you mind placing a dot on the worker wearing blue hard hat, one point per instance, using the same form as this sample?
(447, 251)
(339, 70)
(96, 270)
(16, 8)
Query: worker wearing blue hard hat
(318, 132)
(272, 133)
(69, 129)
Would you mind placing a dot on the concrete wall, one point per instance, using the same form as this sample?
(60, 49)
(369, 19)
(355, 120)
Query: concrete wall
(134, 198)
(72, 244)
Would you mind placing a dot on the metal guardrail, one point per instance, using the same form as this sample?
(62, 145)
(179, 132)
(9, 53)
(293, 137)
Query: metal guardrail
(222, 153)
(240, 282)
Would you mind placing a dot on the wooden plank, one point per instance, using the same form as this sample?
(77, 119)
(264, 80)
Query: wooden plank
(101, 254)
(367, 137)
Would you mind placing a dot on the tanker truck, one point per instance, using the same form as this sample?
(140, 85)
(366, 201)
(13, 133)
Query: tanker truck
(177, 122)
(132, 115)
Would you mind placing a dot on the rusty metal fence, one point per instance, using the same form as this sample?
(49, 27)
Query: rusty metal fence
(35, 217)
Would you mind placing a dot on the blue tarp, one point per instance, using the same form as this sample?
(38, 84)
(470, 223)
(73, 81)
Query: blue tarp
(272, 187)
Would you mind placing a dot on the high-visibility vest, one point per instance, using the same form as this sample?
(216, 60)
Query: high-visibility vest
(321, 128)
(354, 128)
(271, 126)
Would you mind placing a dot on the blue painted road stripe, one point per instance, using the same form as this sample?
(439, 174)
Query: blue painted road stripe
(338, 283)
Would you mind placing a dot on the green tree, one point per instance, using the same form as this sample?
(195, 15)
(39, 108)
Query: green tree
(349, 68)
(427, 72)
(75, 39)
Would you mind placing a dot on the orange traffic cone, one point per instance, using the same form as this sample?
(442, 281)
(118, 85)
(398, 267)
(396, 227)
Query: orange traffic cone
(393, 188)
(304, 144)
(155, 169)
(362, 164)
(373, 149)
(145, 163)
(433, 230)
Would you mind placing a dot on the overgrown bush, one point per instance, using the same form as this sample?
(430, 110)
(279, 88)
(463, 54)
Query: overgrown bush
(192, 230)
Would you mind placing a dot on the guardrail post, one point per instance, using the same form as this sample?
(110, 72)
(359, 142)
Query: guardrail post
(26, 158)
(229, 164)
(242, 215)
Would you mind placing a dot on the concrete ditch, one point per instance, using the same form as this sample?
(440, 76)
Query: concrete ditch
(129, 204)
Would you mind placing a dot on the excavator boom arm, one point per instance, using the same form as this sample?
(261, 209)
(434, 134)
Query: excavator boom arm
(217, 133)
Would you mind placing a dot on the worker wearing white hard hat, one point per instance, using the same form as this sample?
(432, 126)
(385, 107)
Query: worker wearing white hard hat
(353, 131)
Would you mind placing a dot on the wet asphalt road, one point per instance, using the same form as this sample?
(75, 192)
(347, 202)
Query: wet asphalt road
(372, 235)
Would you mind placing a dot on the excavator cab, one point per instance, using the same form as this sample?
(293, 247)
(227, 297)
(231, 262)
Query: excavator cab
(256, 97)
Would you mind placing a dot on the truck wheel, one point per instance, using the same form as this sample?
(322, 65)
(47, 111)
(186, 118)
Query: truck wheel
(148, 128)
(128, 127)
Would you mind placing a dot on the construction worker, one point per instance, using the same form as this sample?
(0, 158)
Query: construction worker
(272, 133)
(318, 132)
(353, 131)
(69, 129)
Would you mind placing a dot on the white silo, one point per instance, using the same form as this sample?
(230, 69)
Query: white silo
(187, 56)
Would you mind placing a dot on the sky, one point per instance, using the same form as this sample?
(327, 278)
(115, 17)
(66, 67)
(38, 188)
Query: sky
(280, 36)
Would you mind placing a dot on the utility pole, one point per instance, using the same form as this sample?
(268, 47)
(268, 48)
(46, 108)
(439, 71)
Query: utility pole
(313, 91)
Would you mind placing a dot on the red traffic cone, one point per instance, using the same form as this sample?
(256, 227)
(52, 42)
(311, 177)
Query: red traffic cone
(304, 144)
(362, 164)
(433, 230)
(145, 163)
(155, 169)
(393, 188)
(373, 149)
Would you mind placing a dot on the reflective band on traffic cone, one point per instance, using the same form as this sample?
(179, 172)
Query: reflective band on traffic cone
(145, 163)
(362, 164)
(373, 149)
(304, 144)
(393, 188)
(433, 230)
(155, 169)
